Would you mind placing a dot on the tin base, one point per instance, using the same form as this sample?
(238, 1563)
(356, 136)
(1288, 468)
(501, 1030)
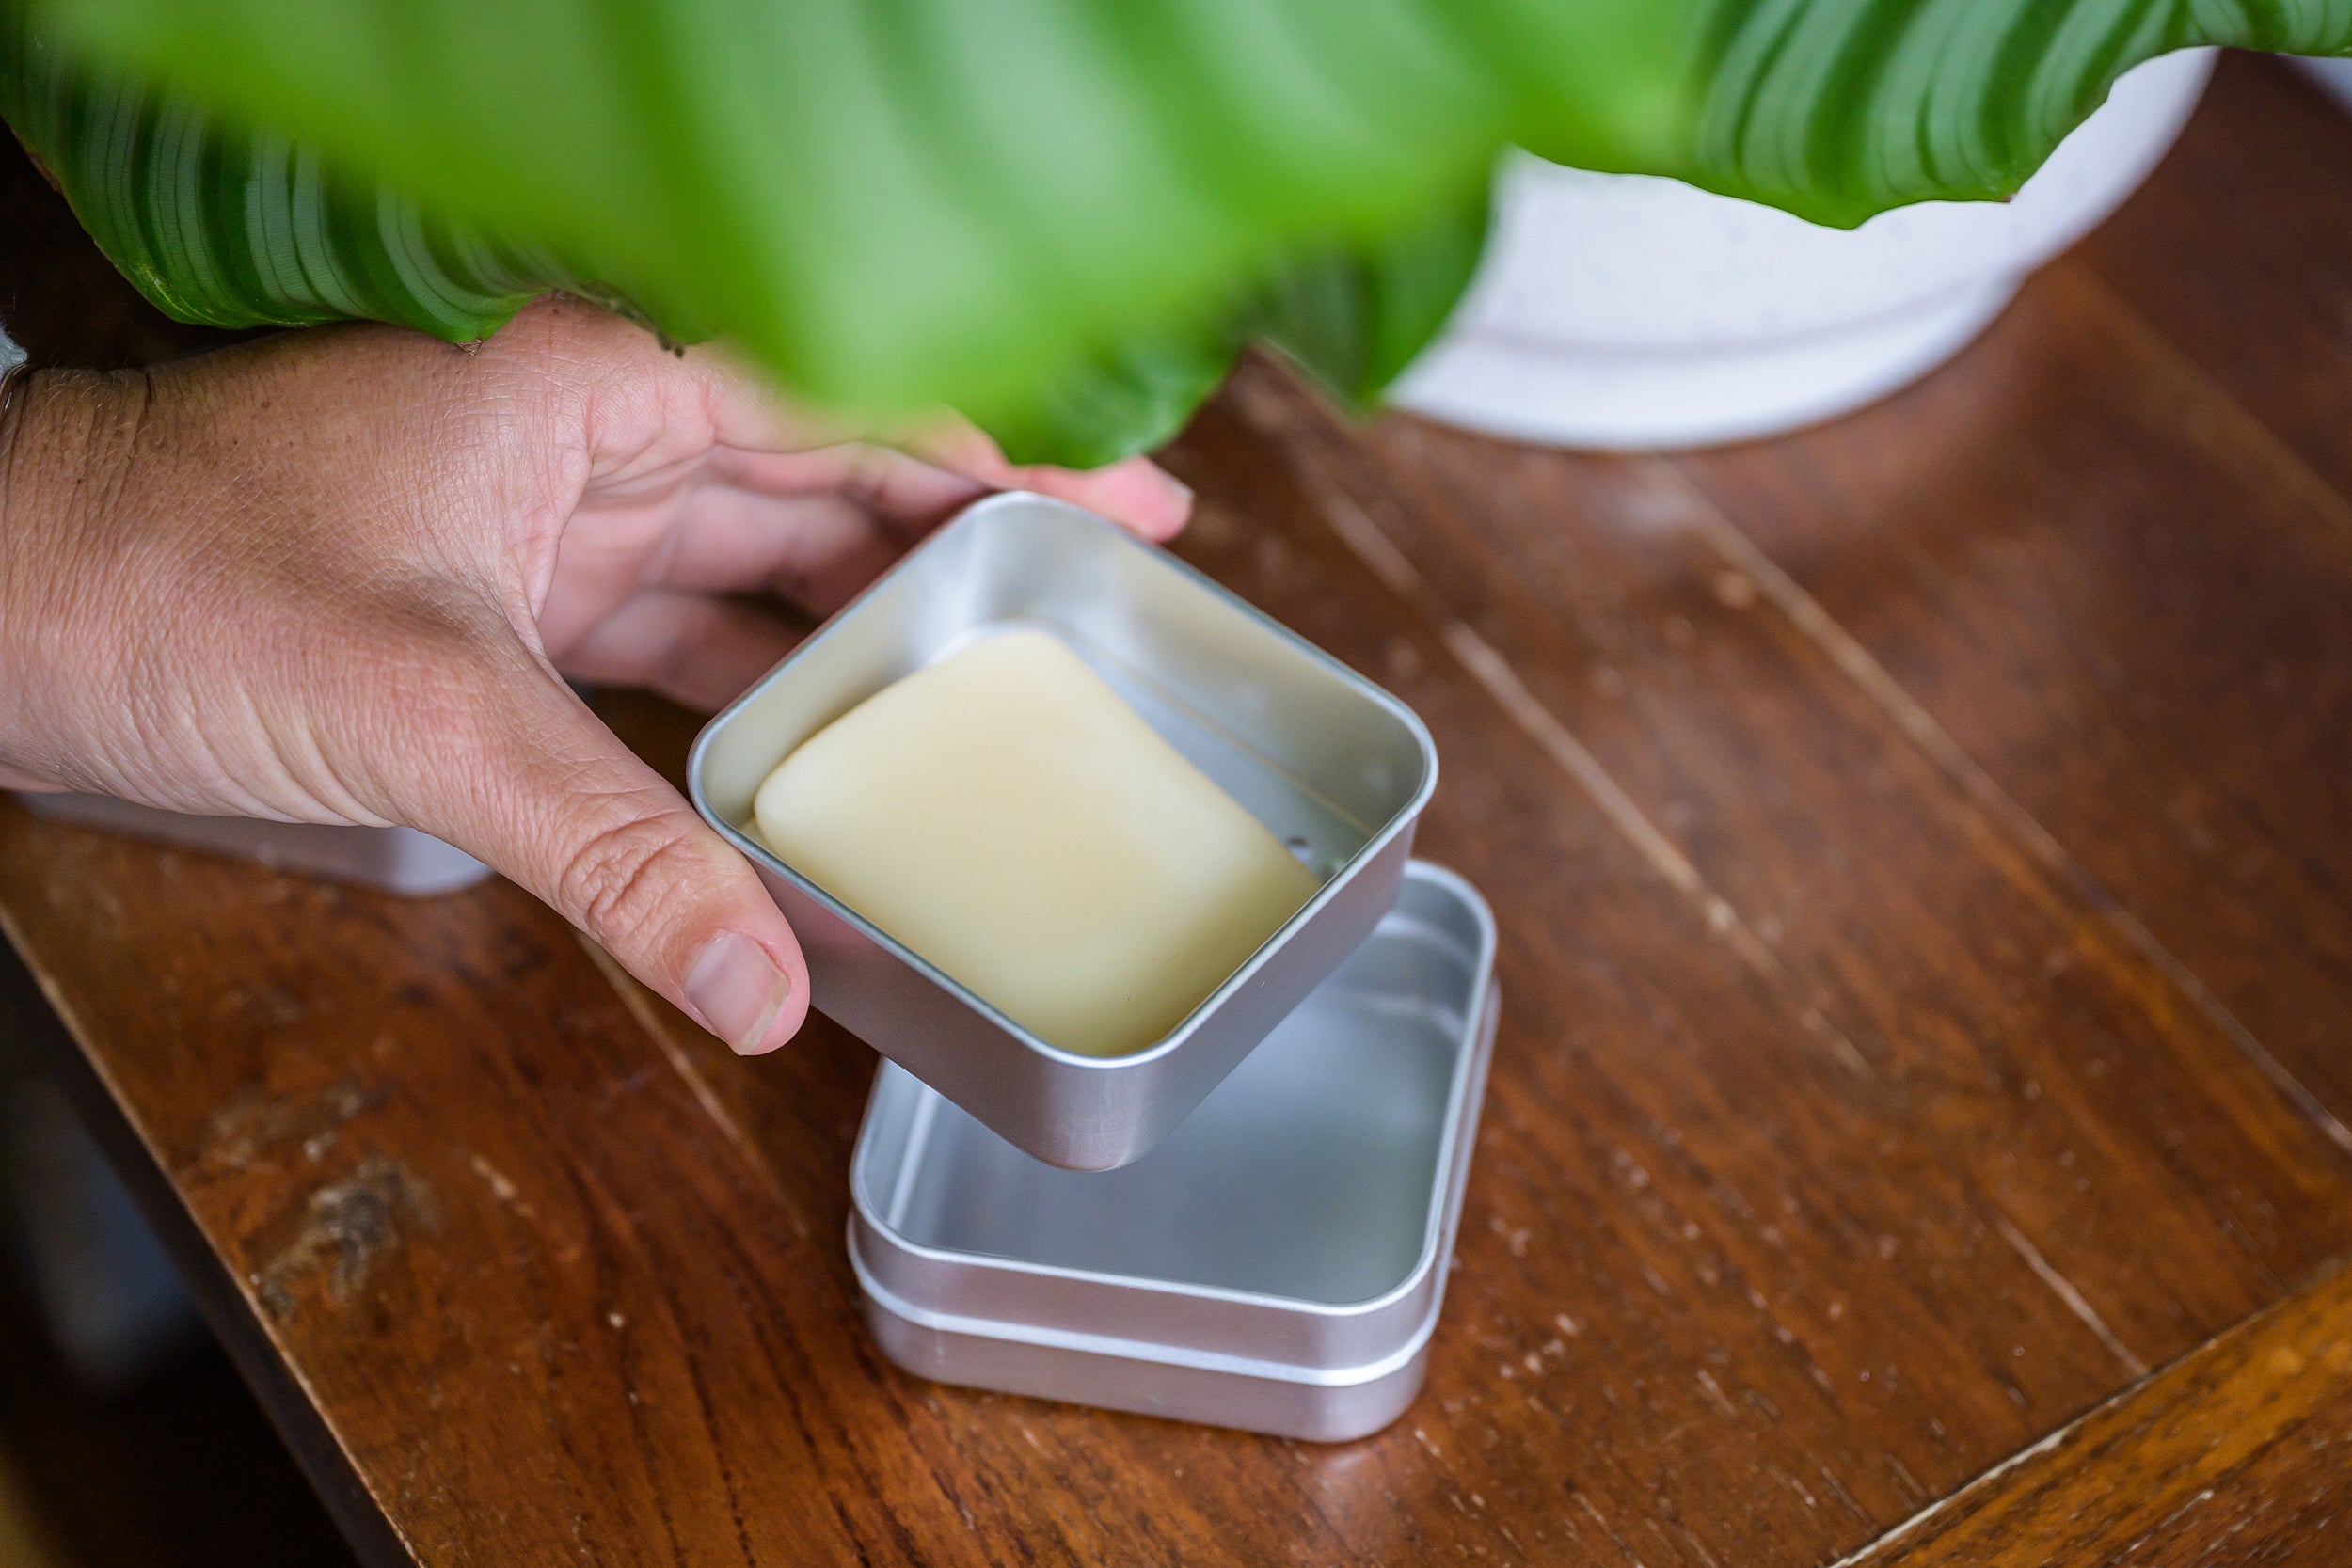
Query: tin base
(399, 859)
(1277, 1264)
(1139, 1378)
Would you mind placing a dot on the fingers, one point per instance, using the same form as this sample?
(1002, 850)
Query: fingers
(576, 342)
(747, 411)
(901, 492)
(692, 648)
(521, 775)
(818, 552)
(815, 551)
(1133, 492)
(748, 418)
(816, 527)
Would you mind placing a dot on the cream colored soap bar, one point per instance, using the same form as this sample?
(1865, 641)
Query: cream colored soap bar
(1006, 815)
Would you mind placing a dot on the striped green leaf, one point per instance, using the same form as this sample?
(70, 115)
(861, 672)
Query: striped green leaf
(1061, 215)
(233, 226)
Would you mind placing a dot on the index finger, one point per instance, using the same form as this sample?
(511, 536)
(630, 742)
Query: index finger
(1133, 492)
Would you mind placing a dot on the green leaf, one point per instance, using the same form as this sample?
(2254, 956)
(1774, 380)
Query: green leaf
(1356, 318)
(1837, 109)
(1060, 216)
(1351, 318)
(238, 227)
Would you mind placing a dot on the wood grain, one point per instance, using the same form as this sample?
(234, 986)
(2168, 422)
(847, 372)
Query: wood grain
(2234, 1453)
(1888, 1077)
(1902, 1122)
(2237, 255)
(1932, 930)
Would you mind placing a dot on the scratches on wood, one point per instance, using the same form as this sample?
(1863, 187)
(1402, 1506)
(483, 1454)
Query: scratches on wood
(2244, 1435)
(1722, 1300)
(2069, 1294)
(2240, 439)
(254, 1124)
(1805, 612)
(642, 1008)
(1493, 672)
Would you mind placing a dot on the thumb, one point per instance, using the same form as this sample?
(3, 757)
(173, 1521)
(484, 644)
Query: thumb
(554, 802)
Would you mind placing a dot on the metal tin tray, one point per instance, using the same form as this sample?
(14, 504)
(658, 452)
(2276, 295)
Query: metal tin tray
(400, 860)
(1277, 1264)
(1331, 764)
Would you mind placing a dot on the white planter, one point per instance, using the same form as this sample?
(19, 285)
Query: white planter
(2335, 75)
(1628, 311)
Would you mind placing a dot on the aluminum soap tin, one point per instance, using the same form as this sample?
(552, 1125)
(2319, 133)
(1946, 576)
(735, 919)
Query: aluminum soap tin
(1278, 1263)
(1327, 760)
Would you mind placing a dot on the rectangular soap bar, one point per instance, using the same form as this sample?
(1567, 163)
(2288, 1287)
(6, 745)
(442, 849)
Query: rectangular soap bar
(1004, 815)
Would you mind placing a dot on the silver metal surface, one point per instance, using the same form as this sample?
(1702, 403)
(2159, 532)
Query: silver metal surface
(1335, 767)
(400, 860)
(1278, 1263)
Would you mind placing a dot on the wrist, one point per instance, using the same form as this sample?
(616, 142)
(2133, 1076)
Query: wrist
(60, 439)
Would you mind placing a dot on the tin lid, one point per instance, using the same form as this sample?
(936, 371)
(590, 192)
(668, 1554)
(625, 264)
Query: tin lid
(1300, 1219)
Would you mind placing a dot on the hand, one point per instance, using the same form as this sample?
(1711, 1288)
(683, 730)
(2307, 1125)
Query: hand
(338, 575)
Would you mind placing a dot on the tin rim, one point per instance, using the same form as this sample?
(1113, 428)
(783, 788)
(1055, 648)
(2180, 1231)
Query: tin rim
(767, 860)
(1160, 1352)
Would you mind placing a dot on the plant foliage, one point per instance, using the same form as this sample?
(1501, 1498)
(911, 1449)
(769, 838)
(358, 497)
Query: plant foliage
(1061, 215)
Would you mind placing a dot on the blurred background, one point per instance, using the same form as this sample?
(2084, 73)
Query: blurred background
(126, 1438)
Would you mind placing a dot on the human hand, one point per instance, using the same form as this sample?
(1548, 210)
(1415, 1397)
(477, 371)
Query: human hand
(338, 575)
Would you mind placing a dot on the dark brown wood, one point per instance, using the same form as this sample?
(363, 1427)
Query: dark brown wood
(2237, 255)
(1889, 1073)
(2234, 1453)
(2134, 621)
(1964, 982)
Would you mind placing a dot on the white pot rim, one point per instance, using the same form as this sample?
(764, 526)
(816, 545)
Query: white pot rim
(1629, 310)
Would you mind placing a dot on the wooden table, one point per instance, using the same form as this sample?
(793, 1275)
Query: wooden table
(1923, 851)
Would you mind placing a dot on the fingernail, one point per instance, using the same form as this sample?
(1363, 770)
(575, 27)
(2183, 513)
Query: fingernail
(737, 991)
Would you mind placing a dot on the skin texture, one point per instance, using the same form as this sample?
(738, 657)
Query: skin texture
(340, 575)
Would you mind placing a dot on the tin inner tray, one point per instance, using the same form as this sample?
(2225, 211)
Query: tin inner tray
(1307, 1174)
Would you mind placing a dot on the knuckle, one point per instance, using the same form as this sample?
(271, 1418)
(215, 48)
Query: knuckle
(628, 872)
(865, 472)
